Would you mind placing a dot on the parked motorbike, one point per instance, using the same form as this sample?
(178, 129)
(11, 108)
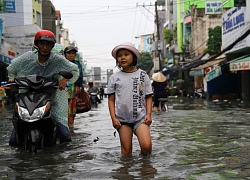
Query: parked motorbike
(199, 93)
(94, 101)
(32, 120)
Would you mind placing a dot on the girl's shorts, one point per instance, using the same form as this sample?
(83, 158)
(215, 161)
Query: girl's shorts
(134, 126)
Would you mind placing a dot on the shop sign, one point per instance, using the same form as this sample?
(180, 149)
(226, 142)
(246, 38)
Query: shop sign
(196, 72)
(156, 63)
(213, 7)
(9, 6)
(238, 66)
(5, 59)
(214, 73)
(234, 23)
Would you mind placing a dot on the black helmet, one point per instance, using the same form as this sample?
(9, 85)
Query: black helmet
(70, 48)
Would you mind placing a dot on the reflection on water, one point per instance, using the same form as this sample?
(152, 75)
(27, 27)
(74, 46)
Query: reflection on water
(134, 167)
(195, 139)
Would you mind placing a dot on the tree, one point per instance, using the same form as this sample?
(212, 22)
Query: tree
(145, 62)
(214, 41)
(168, 35)
(1, 7)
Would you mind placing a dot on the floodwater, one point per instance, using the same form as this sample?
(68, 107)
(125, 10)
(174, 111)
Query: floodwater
(194, 139)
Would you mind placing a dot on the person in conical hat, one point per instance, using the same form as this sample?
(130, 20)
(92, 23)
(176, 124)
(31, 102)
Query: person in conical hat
(159, 77)
(160, 87)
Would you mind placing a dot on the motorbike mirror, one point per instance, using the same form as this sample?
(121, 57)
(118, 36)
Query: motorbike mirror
(66, 74)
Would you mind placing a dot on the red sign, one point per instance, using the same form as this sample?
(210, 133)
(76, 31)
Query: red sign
(11, 53)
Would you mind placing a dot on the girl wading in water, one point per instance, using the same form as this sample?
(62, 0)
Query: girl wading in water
(130, 100)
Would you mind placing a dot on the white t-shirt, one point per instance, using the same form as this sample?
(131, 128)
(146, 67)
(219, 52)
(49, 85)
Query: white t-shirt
(130, 91)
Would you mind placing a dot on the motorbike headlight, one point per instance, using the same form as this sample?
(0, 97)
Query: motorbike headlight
(37, 114)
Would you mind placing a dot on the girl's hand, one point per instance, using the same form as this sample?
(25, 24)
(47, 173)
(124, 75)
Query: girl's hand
(147, 120)
(116, 123)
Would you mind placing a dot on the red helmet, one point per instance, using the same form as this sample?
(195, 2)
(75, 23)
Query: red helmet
(44, 35)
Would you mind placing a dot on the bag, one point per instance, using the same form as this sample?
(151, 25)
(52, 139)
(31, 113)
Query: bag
(83, 102)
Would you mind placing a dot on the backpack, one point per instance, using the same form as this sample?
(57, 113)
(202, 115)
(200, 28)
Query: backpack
(83, 102)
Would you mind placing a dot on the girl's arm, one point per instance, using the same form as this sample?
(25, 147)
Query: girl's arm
(111, 104)
(148, 119)
(149, 100)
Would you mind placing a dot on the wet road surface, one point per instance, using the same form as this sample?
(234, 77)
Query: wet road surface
(195, 139)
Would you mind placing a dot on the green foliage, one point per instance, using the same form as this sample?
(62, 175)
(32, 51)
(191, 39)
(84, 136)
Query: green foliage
(145, 62)
(214, 41)
(168, 35)
(61, 25)
(1, 7)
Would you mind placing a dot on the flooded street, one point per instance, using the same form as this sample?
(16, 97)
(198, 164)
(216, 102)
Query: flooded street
(195, 139)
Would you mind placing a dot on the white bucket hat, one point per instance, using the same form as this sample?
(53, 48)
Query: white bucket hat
(128, 46)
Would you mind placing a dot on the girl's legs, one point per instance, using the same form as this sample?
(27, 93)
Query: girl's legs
(143, 136)
(126, 134)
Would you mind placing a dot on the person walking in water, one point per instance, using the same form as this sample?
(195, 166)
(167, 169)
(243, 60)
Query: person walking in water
(160, 87)
(130, 100)
(75, 88)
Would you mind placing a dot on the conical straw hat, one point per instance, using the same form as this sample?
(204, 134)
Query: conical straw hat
(159, 77)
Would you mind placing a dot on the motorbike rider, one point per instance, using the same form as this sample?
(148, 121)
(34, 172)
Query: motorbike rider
(44, 63)
(93, 89)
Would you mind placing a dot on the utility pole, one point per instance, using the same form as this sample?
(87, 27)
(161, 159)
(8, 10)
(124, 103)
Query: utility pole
(157, 21)
(158, 34)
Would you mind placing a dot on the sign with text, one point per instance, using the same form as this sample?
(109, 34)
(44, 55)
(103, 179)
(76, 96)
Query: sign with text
(196, 72)
(10, 6)
(156, 63)
(238, 3)
(214, 73)
(5, 59)
(238, 66)
(234, 24)
(213, 7)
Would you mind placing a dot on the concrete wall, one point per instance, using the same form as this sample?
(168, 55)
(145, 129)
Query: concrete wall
(37, 13)
(49, 16)
(200, 25)
(17, 19)
(21, 39)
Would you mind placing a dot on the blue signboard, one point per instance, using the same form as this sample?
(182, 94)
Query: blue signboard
(214, 73)
(5, 59)
(9, 6)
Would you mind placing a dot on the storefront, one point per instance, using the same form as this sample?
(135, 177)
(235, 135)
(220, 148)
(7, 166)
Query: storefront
(241, 66)
(236, 23)
(207, 72)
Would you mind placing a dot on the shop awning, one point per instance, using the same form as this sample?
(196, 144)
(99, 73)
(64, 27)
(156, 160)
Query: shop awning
(196, 61)
(241, 63)
(210, 63)
(200, 70)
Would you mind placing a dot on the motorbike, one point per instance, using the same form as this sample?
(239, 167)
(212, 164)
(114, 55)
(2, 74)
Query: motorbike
(93, 98)
(32, 121)
(200, 93)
